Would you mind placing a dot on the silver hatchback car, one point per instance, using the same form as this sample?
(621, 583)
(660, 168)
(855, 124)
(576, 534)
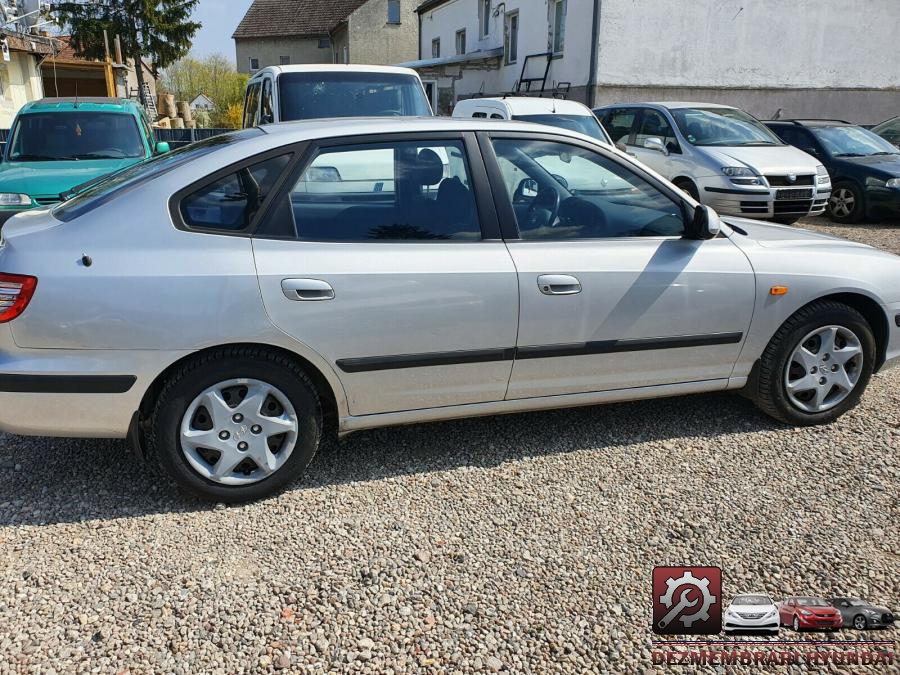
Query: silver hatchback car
(227, 304)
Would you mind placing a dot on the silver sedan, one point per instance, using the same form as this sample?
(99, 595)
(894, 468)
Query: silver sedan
(228, 304)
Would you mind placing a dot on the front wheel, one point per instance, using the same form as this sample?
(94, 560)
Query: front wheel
(687, 185)
(796, 624)
(846, 203)
(859, 622)
(817, 365)
(237, 425)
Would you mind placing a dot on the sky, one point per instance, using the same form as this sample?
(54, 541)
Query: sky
(219, 19)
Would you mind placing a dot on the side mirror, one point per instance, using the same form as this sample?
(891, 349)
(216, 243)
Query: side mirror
(162, 147)
(811, 151)
(528, 188)
(654, 143)
(704, 225)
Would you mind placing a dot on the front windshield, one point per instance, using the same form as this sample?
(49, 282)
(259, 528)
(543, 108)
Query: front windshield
(812, 602)
(98, 193)
(752, 600)
(75, 135)
(852, 142)
(306, 96)
(584, 124)
(727, 127)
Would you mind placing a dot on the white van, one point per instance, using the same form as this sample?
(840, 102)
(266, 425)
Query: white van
(287, 93)
(554, 112)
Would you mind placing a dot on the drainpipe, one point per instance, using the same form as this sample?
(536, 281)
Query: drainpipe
(419, 14)
(595, 51)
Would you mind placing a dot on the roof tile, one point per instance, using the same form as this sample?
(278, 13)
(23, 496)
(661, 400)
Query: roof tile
(285, 18)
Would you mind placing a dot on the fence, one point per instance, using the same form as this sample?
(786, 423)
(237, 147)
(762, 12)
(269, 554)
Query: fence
(176, 138)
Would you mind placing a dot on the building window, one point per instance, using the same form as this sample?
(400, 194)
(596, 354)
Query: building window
(393, 11)
(254, 64)
(484, 17)
(324, 43)
(461, 41)
(436, 48)
(284, 60)
(511, 38)
(558, 25)
(345, 54)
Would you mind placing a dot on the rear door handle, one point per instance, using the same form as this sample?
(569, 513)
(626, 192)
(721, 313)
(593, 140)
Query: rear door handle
(558, 284)
(307, 289)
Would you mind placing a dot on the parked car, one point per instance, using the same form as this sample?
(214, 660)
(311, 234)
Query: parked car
(807, 613)
(288, 93)
(752, 612)
(889, 130)
(721, 156)
(864, 168)
(552, 111)
(57, 143)
(224, 319)
(861, 615)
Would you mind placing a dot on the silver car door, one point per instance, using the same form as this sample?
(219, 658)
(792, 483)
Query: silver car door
(384, 256)
(612, 295)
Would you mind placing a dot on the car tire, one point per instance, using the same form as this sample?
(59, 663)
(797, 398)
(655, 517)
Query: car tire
(280, 383)
(860, 622)
(778, 365)
(796, 624)
(687, 185)
(846, 203)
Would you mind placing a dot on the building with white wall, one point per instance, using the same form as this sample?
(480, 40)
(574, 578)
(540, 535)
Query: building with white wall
(804, 58)
(20, 73)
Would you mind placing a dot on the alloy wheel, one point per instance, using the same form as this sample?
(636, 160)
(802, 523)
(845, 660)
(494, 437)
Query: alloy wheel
(842, 202)
(796, 624)
(859, 622)
(239, 431)
(823, 369)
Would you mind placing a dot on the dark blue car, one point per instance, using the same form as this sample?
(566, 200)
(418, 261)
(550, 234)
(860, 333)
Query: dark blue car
(864, 168)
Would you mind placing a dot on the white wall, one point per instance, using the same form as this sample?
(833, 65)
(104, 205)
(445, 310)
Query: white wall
(573, 66)
(750, 43)
(21, 81)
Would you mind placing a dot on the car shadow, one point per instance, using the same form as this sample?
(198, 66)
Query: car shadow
(46, 480)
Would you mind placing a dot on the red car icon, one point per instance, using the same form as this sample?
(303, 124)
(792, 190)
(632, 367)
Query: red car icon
(807, 613)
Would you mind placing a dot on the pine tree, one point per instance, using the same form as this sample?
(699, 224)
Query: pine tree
(160, 30)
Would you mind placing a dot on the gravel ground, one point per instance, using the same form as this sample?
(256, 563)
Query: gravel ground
(521, 543)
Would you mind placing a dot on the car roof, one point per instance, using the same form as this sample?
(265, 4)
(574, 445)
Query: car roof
(92, 103)
(331, 68)
(358, 126)
(532, 105)
(672, 105)
(810, 123)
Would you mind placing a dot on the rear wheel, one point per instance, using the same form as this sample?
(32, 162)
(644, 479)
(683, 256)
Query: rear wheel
(846, 204)
(817, 365)
(236, 425)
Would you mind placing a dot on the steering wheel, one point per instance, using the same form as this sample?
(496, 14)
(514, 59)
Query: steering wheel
(546, 202)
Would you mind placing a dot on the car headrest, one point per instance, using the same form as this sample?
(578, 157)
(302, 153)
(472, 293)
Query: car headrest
(428, 168)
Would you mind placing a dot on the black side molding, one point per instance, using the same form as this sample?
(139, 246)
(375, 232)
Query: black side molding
(67, 384)
(737, 192)
(373, 363)
(370, 363)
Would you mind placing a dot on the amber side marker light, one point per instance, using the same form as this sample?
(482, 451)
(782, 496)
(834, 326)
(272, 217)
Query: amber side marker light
(778, 290)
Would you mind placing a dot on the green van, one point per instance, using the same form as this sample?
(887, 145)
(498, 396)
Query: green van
(56, 144)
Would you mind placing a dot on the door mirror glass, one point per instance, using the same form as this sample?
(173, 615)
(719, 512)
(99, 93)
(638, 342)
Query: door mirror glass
(527, 189)
(705, 224)
(654, 143)
(162, 147)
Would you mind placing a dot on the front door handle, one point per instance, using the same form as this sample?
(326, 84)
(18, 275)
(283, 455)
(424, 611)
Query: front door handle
(307, 289)
(558, 284)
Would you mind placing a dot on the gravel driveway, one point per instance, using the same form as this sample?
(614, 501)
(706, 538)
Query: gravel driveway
(523, 543)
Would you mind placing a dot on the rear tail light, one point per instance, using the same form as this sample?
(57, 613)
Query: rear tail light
(16, 291)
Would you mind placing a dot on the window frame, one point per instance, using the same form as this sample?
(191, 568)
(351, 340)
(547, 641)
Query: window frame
(250, 60)
(436, 43)
(509, 225)
(557, 30)
(632, 132)
(507, 40)
(394, 3)
(252, 88)
(284, 60)
(295, 152)
(461, 33)
(638, 125)
(484, 18)
(480, 184)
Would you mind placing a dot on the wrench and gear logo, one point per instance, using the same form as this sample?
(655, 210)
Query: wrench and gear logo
(687, 600)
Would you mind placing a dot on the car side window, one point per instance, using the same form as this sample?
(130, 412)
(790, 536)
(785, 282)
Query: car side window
(560, 191)
(479, 115)
(407, 190)
(230, 203)
(251, 103)
(654, 125)
(496, 116)
(266, 108)
(618, 124)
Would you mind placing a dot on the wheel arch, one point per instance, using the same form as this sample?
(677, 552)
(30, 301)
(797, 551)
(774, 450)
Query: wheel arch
(329, 397)
(873, 314)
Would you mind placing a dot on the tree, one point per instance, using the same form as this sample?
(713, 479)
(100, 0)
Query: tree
(160, 30)
(214, 76)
